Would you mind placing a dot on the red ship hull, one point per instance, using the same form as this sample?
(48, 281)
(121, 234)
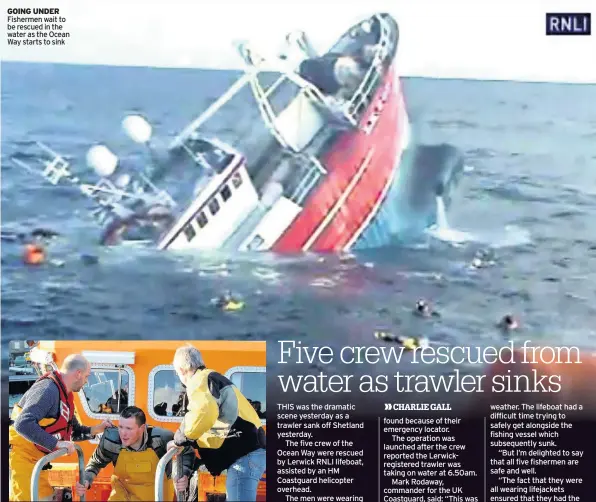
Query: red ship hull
(361, 167)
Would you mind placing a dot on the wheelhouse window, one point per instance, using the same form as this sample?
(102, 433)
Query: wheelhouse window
(190, 232)
(169, 396)
(107, 391)
(201, 219)
(207, 154)
(236, 179)
(225, 193)
(214, 206)
(251, 381)
(255, 243)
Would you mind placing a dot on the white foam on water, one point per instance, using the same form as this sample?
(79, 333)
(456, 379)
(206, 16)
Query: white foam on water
(266, 275)
(510, 236)
(323, 282)
(443, 232)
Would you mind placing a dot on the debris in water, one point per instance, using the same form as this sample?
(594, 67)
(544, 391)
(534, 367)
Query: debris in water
(89, 259)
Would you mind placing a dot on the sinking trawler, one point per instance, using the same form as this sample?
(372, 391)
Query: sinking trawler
(323, 179)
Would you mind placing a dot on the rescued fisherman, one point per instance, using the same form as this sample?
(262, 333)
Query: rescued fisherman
(44, 421)
(135, 449)
(222, 425)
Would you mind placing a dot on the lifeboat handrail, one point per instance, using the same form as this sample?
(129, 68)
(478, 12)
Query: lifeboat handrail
(373, 74)
(160, 471)
(42, 462)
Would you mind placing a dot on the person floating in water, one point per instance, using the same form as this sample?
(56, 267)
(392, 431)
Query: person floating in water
(34, 245)
(34, 254)
(423, 309)
(483, 259)
(508, 323)
(407, 342)
(228, 302)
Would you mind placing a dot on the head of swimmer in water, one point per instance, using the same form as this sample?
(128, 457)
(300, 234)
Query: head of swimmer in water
(509, 322)
(422, 307)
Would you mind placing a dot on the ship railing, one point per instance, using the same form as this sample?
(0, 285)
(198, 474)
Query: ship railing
(42, 462)
(302, 190)
(211, 110)
(314, 172)
(104, 193)
(197, 157)
(256, 63)
(111, 200)
(220, 102)
(53, 170)
(326, 102)
(267, 112)
(160, 472)
(373, 75)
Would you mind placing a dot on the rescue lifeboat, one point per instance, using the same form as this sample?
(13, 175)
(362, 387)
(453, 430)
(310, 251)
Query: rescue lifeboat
(315, 170)
(138, 373)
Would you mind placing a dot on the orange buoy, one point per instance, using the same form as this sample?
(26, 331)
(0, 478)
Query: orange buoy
(34, 254)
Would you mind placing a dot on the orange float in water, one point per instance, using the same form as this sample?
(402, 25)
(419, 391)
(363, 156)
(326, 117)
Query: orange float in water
(34, 254)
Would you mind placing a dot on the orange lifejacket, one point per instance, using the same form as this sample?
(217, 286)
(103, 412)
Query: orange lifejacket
(34, 254)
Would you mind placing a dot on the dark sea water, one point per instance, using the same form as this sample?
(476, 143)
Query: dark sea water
(530, 199)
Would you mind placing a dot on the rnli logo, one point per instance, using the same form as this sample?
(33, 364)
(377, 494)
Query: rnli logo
(569, 23)
(64, 411)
